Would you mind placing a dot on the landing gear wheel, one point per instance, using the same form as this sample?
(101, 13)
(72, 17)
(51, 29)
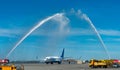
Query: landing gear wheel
(59, 62)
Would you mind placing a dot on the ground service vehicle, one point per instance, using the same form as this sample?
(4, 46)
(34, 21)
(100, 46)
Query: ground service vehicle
(4, 65)
(97, 63)
(116, 63)
(7, 67)
(4, 61)
(101, 63)
(11, 67)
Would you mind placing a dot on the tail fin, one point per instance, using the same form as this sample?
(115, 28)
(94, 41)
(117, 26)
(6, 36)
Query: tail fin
(62, 55)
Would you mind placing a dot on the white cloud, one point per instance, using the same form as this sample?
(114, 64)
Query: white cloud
(92, 39)
(109, 32)
(118, 39)
(113, 35)
(80, 31)
(9, 32)
(113, 39)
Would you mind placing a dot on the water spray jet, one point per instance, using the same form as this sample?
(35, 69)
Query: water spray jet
(85, 17)
(34, 28)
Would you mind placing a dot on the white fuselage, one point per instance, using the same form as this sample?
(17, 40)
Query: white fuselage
(53, 59)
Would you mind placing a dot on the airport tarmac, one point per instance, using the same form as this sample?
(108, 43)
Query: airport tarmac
(62, 67)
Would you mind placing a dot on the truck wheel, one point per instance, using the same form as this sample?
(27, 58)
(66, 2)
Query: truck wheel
(105, 66)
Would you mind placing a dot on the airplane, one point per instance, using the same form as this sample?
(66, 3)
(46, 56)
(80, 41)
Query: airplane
(4, 61)
(54, 59)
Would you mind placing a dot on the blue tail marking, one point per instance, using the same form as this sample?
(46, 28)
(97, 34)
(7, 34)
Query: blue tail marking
(62, 55)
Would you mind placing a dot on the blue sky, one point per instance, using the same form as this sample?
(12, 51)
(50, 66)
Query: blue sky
(78, 39)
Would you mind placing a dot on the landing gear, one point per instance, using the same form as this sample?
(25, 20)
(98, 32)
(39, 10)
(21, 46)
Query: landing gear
(46, 62)
(59, 62)
(51, 62)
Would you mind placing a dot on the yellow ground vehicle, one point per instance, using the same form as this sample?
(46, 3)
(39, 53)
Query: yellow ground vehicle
(7, 67)
(11, 67)
(100, 63)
